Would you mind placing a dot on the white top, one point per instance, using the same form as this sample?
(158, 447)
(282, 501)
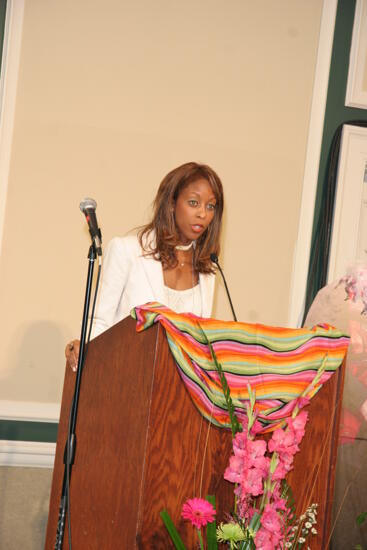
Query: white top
(130, 278)
(183, 301)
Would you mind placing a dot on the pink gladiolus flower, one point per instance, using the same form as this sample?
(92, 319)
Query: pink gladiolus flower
(198, 511)
(256, 428)
(287, 459)
(270, 519)
(275, 538)
(302, 402)
(263, 540)
(255, 450)
(245, 508)
(234, 471)
(283, 442)
(255, 456)
(281, 439)
(280, 504)
(240, 443)
(263, 464)
(253, 482)
(297, 425)
(280, 472)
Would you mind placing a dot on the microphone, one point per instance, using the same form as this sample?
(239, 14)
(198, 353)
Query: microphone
(88, 207)
(214, 259)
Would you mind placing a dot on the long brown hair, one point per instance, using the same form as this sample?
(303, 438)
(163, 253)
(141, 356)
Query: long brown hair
(163, 222)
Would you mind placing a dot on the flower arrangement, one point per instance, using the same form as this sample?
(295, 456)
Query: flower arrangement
(258, 469)
(200, 512)
(264, 513)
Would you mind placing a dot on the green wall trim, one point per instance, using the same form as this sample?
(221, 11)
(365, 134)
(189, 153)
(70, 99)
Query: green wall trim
(335, 114)
(2, 26)
(15, 430)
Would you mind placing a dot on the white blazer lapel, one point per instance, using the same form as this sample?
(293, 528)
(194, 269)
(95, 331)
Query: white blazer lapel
(154, 275)
(207, 293)
(153, 270)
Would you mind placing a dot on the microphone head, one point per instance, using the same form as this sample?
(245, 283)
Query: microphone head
(214, 258)
(87, 204)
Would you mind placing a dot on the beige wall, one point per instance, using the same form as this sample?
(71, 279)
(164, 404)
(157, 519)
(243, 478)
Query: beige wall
(112, 94)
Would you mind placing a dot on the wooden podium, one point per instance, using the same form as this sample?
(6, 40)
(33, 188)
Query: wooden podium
(142, 446)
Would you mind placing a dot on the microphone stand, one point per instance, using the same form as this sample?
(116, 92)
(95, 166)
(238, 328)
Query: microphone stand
(70, 446)
(229, 297)
(214, 258)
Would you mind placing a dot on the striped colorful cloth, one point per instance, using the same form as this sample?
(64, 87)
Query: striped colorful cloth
(280, 364)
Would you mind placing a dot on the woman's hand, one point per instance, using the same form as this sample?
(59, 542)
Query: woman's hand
(72, 354)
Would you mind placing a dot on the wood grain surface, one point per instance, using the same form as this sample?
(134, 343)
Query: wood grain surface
(142, 446)
(313, 476)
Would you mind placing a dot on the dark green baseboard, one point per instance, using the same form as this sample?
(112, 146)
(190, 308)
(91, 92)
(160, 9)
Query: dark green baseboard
(15, 430)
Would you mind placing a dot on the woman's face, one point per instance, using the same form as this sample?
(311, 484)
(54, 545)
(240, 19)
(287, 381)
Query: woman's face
(194, 210)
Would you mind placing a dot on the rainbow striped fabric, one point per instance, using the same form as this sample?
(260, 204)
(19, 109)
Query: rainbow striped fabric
(280, 364)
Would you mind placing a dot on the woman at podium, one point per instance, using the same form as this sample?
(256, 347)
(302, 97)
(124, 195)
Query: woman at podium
(168, 260)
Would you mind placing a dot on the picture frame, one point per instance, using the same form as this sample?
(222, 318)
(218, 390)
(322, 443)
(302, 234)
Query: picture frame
(356, 93)
(349, 230)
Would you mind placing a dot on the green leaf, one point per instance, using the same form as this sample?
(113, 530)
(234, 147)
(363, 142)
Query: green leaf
(252, 395)
(248, 545)
(287, 494)
(255, 522)
(211, 528)
(361, 518)
(235, 425)
(176, 539)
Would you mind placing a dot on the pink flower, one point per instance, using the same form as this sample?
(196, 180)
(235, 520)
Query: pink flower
(253, 482)
(270, 519)
(302, 402)
(235, 469)
(280, 504)
(283, 441)
(245, 508)
(255, 450)
(280, 472)
(263, 540)
(267, 540)
(287, 460)
(240, 443)
(300, 421)
(198, 511)
(255, 455)
(256, 428)
(297, 425)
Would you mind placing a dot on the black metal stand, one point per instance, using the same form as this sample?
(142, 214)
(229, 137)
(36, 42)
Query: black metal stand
(70, 445)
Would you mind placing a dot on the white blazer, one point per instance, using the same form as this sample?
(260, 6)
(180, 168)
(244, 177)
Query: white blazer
(130, 279)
